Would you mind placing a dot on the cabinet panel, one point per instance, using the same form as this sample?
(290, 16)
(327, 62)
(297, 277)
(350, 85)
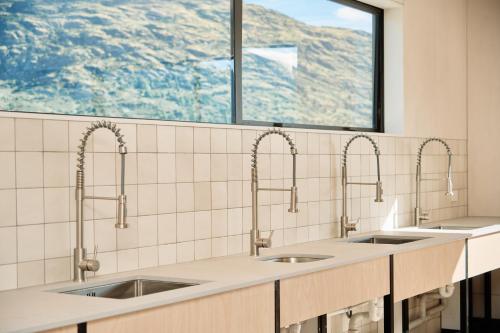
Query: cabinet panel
(419, 271)
(247, 310)
(483, 254)
(315, 294)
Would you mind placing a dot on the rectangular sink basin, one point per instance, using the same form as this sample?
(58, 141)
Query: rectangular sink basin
(448, 227)
(386, 240)
(295, 258)
(129, 289)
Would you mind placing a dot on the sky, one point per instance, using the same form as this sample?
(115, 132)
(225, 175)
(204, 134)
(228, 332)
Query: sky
(320, 13)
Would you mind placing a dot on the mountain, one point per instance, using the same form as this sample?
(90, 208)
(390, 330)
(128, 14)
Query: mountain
(171, 60)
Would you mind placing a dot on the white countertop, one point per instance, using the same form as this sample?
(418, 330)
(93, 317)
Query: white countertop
(476, 226)
(40, 308)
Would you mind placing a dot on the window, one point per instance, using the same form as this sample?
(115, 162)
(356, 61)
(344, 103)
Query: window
(304, 63)
(130, 58)
(311, 63)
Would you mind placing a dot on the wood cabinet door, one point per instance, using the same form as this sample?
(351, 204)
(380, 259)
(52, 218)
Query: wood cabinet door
(247, 310)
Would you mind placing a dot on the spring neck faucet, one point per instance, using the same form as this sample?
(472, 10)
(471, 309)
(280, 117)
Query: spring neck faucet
(346, 227)
(81, 263)
(257, 242)
(419, 215)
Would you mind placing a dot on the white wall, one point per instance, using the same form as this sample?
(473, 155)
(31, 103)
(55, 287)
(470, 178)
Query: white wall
(435, 68)
(484, 106)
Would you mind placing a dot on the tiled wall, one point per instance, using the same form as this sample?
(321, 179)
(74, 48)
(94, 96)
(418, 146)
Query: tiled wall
(189, 192)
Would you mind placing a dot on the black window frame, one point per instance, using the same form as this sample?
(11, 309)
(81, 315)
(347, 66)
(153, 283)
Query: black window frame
(378, 80)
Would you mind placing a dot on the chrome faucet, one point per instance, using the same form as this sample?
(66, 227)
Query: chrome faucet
(81, 262)
(257, 242)
(345, 226)
(419, 215)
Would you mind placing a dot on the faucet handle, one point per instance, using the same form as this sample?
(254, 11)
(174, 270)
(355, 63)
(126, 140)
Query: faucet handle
(352, 226)
(265, 242)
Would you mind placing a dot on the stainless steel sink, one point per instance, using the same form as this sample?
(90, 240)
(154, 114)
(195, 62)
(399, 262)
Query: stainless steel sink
(295, 258)
(386, 240)
(448, 227)
(129, 288)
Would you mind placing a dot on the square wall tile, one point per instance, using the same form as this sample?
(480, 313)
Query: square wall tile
(219, 223)
(30, 206)
(233, 141)
(55, 135)
(202, 196)
(202, 225)
(201, 167)
(57, 270)
(183, 139)
(147, 168)
(30, 243)
(29, 169)
(104, 141)
(148, 230)
(29, 135)
(7, 170)
(218, 140)
(7, 134)
(148, 256)
(201, 140)
(9, 277)
(104, 169)
(234, 194)
(184, 167)
(167, 198)
(166, 168)
(105, 235)
(185, 197)
(218, 167)
(167, 228)
(108, 262)
(8, 205)
(219, 195)
(8, 245)
(128, 238)
(185, 227)
(167, 254)
(30, 273)
(104, 209)
(166, 139)
(146, 139)
(185, 251)
(147, 199)
(127, 260)
(202, 249)
(57, 242)
(219, 247)
(56, 169)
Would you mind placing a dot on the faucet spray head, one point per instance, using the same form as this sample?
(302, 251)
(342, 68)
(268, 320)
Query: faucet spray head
(379, 192)
(449, 191)
(293, 200)
(121, 214)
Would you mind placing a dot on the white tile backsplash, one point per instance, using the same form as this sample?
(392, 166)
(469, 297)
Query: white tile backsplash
(189, 193)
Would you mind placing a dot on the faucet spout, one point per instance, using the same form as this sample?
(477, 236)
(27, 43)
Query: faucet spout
(257, 242)
(419, 216)
(81, 262)
(346, 227)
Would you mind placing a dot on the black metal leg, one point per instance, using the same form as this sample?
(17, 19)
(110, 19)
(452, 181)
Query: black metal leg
(322, 324)
(277, 320)
(464, 306)
(405, 314)
(487, 295)
(389, 301)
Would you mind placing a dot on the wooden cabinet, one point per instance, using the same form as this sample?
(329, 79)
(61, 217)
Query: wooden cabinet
(483, 254)
(419, 271)
(66, 329)
(246, 310)
(311, 295)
